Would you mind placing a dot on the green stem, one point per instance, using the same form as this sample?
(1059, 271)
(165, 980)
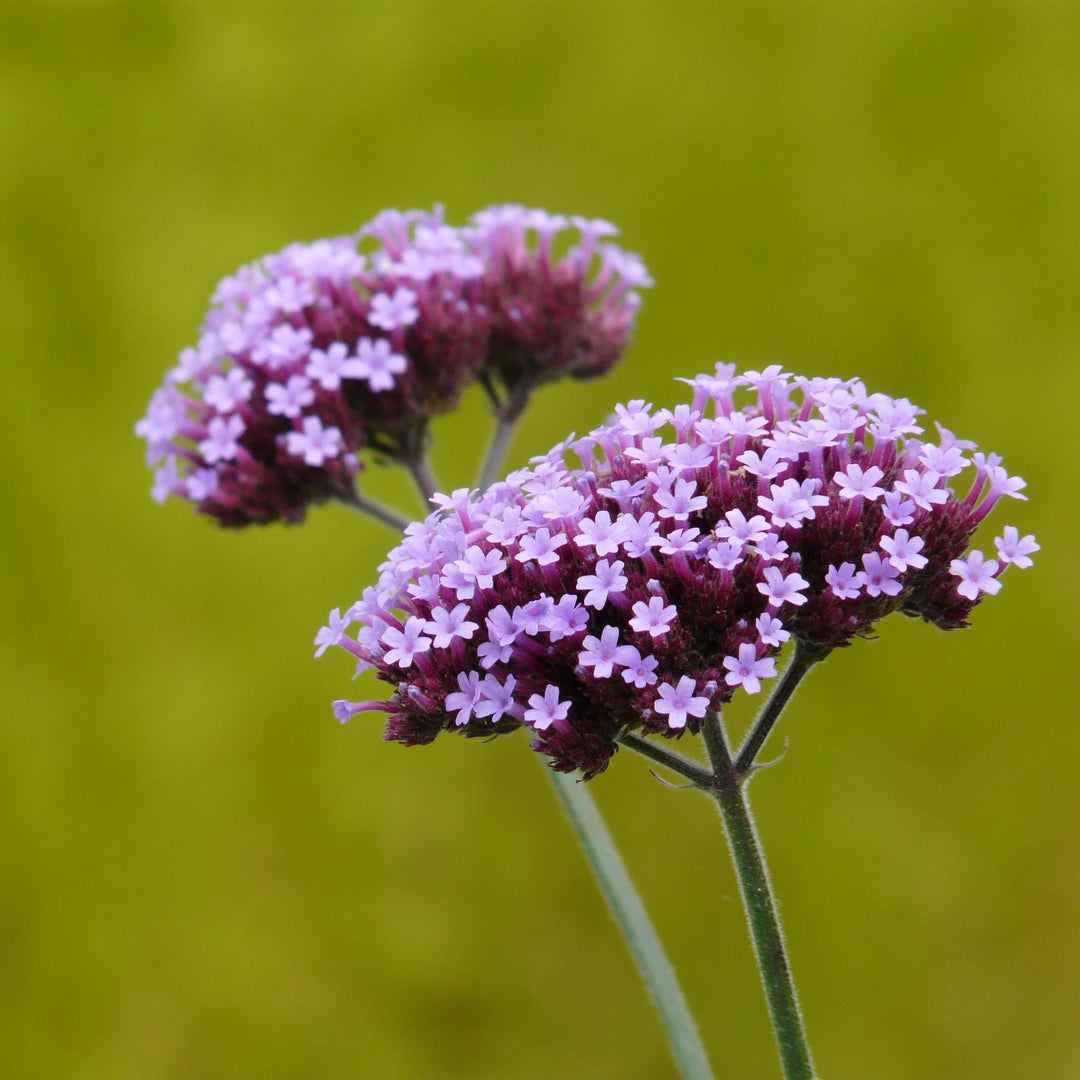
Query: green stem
(655, 751)
(500, 443)
(370, 508)
(761, 912)
(636, 926)
(805, 657)
(507, 413)
(419, 468)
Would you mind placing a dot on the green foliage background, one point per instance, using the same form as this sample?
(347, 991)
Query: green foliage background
(203, 875)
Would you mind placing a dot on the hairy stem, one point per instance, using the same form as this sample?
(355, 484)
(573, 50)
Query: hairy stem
(656, 751)
(761, 912)
(804, 658)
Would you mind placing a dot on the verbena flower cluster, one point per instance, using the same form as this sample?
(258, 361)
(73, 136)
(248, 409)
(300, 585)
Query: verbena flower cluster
(323, 350)
(651, 582)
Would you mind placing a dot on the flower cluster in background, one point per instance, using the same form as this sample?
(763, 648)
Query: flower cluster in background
(324, 350)
(665, 572)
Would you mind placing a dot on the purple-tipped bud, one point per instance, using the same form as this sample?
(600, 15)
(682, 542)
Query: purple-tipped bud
(663, 575)
(313, 355)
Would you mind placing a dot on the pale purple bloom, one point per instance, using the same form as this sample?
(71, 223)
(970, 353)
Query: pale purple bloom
(737, 527)
(497, 698)
(600, 533)
(639, 671)
(315, 444)
(406, 643)
(600, 654)
(608, 578)
(541, 547)
(903, 550)
(226, 392)
(767, 466)
(679, 504)
(725, 556)
(482, 567)
(640, 534)
(201, 484)
(531, 616)
(375, 364)
(879, 576)
(771, 630)
(285, 345)
(1012, 548)
(897, 509)
(786, 504)
(291, 399)
(678, 702)
(854, 482)
(221, 443)
(922, 488)
(327, 367)
(331, 634)
(654, 618)
(565, 618)
(544, 711)
(781, 588)
(747, 671)
(771, 548)
(464, 699)
(976, 574)
(445, 625)
(843, 580)
(391, 312)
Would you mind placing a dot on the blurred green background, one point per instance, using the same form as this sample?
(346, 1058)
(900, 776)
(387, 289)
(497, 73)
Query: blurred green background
(203, 874)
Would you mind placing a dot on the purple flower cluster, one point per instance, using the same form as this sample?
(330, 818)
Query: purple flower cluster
(326, 349)
(648, 585)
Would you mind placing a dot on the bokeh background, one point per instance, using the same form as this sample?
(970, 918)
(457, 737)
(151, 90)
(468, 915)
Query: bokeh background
(203, 874)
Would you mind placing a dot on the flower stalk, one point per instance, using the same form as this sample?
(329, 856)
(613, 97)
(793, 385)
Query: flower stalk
(761, 911)
(633, 920)
(805, 657)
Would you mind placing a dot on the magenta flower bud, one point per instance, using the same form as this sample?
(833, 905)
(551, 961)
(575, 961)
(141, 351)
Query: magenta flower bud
(323, 351)
(661, 575)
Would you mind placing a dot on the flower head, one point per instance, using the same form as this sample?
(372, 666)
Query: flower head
(784, 527)
(313, 355)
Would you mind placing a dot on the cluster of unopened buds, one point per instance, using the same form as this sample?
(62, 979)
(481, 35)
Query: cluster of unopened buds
(326, 350)
(638, 589)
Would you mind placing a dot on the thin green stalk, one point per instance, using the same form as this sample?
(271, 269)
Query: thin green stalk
(761, 912)
(420, 470)
(635, 925)
(500, 443)
(804, 658)
(656, 751)
(373, 509)
(507, 413)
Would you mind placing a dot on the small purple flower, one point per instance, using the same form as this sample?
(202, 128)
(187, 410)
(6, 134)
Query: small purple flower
(642, 621)
(747, 671)
(1015, 549)
(544, 711)
(678, 703)
(977, 575)
(314, 443)
(392, 312)
(653, 618)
